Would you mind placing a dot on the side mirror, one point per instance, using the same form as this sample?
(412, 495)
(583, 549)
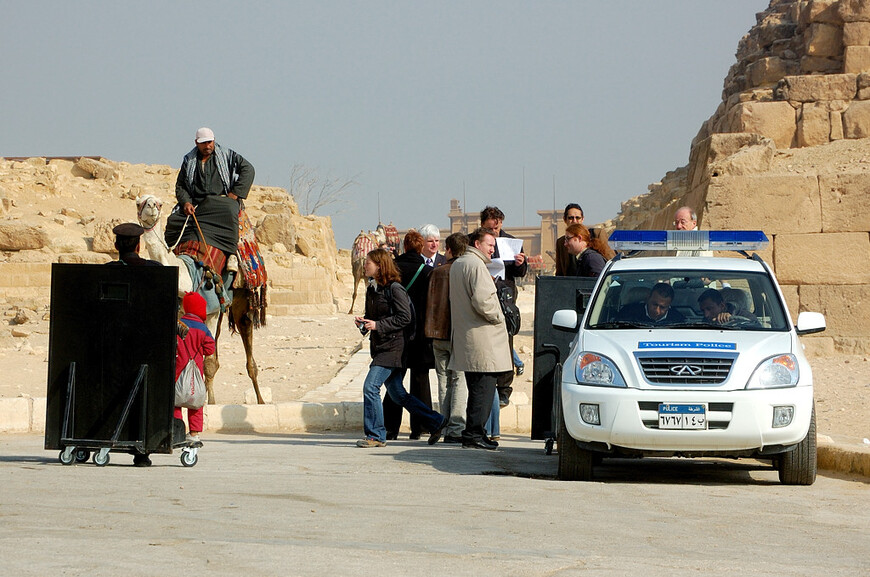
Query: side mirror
(565, 319)
(809, 323)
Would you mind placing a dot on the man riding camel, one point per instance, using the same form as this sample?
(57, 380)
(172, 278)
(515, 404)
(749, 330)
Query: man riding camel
(211, 184)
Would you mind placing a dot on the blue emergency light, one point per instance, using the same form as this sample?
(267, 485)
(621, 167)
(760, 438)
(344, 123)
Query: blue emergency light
(736, 240)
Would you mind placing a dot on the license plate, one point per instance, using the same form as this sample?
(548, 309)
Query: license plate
(682, 416)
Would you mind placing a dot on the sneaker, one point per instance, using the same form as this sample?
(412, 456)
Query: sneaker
(521, 369)
(369, 443)
(436, 435)
(192, 439)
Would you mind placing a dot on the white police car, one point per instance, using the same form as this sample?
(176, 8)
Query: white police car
(690, 357)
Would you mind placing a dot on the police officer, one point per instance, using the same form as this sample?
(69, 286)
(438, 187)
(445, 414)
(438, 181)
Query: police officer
(127, 244)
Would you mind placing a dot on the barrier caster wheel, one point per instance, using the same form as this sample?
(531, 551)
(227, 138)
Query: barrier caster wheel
(66, 456)
(82, 456)
(101, 459)
(189, 457)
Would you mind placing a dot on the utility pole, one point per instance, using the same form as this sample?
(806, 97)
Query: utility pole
(464, 211)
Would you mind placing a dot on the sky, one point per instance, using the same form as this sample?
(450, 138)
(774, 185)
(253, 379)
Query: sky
(524, 105)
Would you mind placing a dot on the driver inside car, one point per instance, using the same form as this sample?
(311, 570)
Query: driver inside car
(717, 311)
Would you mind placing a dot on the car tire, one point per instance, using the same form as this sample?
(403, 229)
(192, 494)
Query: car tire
(798, 466)
(575, 464)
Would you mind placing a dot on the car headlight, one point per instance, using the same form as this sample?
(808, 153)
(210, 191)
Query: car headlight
(592, 369)
(778, 371)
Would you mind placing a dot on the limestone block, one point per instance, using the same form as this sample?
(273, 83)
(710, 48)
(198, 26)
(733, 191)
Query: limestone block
(845, 307)
(836, 120)
(856, 120)
(856, 34)
(820, 65)
(104, 238)
(818, 347)
(845, 202)
(774, 204)
(750, 160)
(84, 258)
(824, 40)
(851, 345)
(66, 241)
(854, 10)
(299, 416)
(808, 259)
(37, 415)
(818, 11)
(856, 59)
(98, 170)
(18, 236)
(712, 155)
(775, 120)
(276, 228)
(814, 125)
(261, 418)
(792, 299)
(820, 88)
(766, 71)
(15, 415)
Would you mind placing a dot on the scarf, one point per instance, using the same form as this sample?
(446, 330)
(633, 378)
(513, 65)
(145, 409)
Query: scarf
(223, 165)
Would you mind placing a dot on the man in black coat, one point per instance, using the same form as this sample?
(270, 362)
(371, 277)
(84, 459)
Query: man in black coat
(492, 218)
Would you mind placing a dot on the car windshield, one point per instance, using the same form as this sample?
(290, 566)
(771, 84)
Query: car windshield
(725, 300)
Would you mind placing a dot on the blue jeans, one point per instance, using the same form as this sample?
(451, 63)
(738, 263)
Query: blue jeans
(517, 361)
(373, 411)
(493, 428)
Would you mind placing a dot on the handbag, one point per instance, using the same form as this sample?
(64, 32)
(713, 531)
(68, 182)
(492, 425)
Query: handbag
(190, 390)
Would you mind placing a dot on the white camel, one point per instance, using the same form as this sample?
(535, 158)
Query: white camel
(148, 208)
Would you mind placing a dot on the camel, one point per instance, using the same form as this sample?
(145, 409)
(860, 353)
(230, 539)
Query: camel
(362, 245)
(241, 316)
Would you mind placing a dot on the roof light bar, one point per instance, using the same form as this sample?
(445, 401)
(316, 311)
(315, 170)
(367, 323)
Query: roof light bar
(736, 240)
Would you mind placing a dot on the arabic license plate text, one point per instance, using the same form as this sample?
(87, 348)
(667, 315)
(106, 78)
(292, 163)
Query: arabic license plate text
(682, 416)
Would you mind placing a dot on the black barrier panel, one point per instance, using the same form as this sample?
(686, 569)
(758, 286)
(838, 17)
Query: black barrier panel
(552, 293)
(111, 357)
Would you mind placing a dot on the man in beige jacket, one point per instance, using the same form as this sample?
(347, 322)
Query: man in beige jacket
(480, 340)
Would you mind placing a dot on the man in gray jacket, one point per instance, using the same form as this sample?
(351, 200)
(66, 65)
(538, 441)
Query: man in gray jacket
(479, 335)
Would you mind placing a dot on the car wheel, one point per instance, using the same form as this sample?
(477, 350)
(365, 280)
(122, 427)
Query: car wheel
(798, 466)
(575, 464)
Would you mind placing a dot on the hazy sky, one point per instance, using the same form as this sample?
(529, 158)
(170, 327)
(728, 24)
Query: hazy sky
(418, 100)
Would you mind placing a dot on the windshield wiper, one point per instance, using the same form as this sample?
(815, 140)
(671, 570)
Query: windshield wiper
(622, 325)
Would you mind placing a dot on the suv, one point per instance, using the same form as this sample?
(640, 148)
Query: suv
(687, 356)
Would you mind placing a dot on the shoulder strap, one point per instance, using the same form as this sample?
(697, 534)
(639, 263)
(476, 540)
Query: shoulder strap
(415, 276)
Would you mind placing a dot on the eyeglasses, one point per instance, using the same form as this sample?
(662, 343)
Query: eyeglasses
(567, 238)
(683, 222)
(577, 218)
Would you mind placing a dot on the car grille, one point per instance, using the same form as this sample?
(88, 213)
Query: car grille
(685, 370)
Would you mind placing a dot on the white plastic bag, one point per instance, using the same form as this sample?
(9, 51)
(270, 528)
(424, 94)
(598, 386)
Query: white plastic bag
(190, 387)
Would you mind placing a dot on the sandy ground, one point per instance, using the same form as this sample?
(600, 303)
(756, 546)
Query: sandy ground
(298, 354)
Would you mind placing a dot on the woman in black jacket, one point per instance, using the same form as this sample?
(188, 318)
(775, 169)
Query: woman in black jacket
(415, 278)
(588, 255)
(387, 316)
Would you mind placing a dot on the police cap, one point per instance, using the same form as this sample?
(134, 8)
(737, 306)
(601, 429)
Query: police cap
(128, 229)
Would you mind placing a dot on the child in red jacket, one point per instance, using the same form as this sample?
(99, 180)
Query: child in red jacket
(200, 344)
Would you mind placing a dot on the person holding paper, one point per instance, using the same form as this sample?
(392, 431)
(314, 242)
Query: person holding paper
(509, 253)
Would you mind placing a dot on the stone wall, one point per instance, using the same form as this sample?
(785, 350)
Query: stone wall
(61, 210)
(800, 89)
